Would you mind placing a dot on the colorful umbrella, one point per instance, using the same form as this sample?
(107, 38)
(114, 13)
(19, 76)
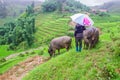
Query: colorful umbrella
(82, 19)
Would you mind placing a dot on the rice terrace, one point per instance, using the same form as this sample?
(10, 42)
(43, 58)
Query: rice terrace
(38, 40)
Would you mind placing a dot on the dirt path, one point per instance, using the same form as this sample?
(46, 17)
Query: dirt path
(20, 70)
(24, 52)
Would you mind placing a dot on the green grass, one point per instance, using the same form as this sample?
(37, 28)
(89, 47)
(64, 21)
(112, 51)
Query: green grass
(99, 63)
(10, 63)
(4, 52)
(72, 66)
(5, 66)
(50, 25)
(87, 65)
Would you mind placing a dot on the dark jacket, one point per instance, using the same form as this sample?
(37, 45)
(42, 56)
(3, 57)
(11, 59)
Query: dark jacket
(79, 30)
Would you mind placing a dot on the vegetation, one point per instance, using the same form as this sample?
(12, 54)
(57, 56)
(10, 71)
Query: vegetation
(98, 63)
(63, 5)
(5, 65)
(19, 31)
(103, 14)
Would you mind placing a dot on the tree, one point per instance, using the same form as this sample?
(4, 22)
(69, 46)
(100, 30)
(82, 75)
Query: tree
(19, 31)
(49, 6)
(63, 5)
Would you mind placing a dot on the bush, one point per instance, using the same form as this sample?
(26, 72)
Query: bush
(102, 14)
(49, 6)
(70, 9)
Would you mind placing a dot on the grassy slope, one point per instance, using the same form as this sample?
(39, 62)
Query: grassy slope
(10, 63)
(5, 66)
(45, 32)
(93, 64)
(50, 25)
(4, 52)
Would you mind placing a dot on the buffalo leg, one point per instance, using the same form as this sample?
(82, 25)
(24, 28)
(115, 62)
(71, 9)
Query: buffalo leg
(54, 53)
(67, 47)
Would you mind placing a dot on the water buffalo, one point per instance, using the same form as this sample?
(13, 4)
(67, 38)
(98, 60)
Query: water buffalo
(95, 37)
(59, 43)
(91, 37)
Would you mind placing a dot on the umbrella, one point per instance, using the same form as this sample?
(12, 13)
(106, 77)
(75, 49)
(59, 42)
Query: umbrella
(82, 19)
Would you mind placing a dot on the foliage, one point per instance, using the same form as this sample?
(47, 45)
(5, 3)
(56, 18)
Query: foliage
(72, 65)
(77, 5)
(22, 29)
(102, 14)
(63, 5)
(49, 6)
(94, 64)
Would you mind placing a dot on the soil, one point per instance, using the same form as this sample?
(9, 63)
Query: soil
(20, 70)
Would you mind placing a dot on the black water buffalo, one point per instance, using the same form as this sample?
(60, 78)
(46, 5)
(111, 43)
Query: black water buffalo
(91, 37)
(59, 43)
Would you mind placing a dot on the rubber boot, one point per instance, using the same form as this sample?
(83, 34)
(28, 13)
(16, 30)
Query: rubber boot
(77, 48)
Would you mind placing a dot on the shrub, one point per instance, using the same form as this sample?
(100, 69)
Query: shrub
(70, 9)
(102, 14)
(49, 6)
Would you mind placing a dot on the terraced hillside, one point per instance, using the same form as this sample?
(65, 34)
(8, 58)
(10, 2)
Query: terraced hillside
(100, 63)
(49, 26)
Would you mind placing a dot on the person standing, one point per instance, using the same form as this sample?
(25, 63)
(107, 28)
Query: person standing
(79, 36)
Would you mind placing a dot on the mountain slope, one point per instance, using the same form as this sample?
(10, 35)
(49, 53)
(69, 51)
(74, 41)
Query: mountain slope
(96, 64)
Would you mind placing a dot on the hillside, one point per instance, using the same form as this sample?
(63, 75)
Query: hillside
(113, 6)
(98, 63)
